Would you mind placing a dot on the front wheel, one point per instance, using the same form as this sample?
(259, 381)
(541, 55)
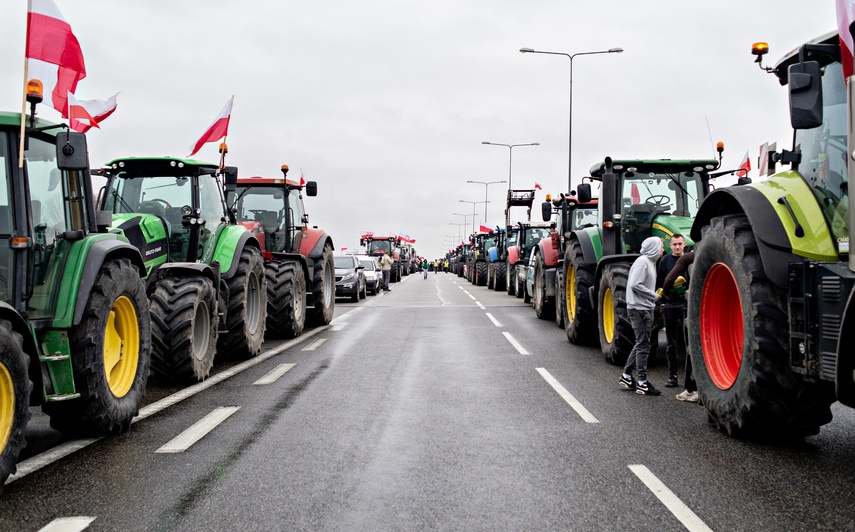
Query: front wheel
(15, 387)
(499, 280)
(247, 307)
(580, 323)
(323, 288)
(286, 299)
(543, 309)
(616, 335)
(510, 279)
(739, 341)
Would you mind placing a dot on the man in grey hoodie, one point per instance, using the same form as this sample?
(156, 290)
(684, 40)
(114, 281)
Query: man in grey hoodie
(640, 301)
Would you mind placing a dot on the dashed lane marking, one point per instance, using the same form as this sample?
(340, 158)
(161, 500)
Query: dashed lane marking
(480, 305)
(516, 344)
(471, 296)
(339, 326)
(496, 323)
(314, 345)
(68, 524)
(567, 396)
(682, 512)
(198, 430)
(274, 375)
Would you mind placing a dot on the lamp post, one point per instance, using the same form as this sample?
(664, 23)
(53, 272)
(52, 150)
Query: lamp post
(459, 237)
(486, 187)
(510, 148)
(473, 210)
(466, 216)
(570, 128)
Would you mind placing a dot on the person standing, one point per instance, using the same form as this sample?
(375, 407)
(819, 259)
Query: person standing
(690, 393)
(673, 309)
(386, 263)
(425, 267)
(640, 301)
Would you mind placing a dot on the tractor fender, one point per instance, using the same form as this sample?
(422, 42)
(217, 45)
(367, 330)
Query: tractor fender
(257, 230)
(493, 254)
(548, 253)
(513, 254)
(19, 325)
(229, 248)
(184, 269)
(589, 252)
(628, 258)
(99, 252)
(772, 239)
(299, 259)
(313, 243)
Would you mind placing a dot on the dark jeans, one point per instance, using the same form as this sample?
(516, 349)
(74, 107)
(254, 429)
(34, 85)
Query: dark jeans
(642, 323)
(386, 275)
(676, 344)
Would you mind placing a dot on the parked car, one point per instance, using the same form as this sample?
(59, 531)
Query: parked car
(373, 275)
(349, 277)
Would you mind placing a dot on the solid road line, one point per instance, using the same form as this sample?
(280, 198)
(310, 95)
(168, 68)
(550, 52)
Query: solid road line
(682, 512)
(198, 430)
(68, 524)
(516, 344)
(314, 345)
(274, 375)
(567, 396)
(496, 323)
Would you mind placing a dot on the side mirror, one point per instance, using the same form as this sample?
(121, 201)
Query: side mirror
(583, 192)
(311, 188)
(805, 88)
(546, 210)
(71, 153)
(230, 174)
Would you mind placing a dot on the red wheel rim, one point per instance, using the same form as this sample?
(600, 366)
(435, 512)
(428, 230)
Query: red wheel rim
(721, 326)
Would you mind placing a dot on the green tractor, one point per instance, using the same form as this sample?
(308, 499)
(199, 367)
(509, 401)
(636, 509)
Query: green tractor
(638, 199)
(771, 308)
(204, 272)
(478, 263)
(74, 322)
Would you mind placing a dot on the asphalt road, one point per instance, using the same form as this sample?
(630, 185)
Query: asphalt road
(438, 405)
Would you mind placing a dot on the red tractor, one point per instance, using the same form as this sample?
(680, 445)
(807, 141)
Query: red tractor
(378, 245)
(298, 259)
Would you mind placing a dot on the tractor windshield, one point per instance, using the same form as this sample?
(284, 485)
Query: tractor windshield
(823, 152)
(583, 218)
(649, 194)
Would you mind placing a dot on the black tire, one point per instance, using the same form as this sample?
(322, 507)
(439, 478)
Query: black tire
(355, 296)
(111, 355)
(184, 329)
(543, 309)
(286, 299)
(499, 281)
(481, 273)
(364, 293)
(15, 388)
(323, 288)
(510, 279)
(751, 391)
(491, 273)
(519, 286)
(246, 317)
(559, 310)
(580, 322)
(616, 335)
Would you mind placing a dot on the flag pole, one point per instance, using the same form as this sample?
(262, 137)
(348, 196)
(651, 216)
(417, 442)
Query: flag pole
(224, 149)
(24, 96)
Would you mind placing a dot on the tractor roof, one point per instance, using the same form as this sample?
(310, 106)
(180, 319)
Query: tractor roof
(14, 120)
(657, 166)
(153, 166)
(267, 181)
(831, 38)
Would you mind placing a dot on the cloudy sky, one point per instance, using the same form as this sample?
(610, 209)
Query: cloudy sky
(385, 103)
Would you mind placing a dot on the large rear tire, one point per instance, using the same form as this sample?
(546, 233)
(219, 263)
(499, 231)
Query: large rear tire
(499, 281)
(616, 335)
(510, 279)
(580, 323)
(543, 309)
(286, 299)
(480, 273)
(738, 338)
(323, 288)
(246, 316)
(183, 329)
(111, 355)
(15, 388)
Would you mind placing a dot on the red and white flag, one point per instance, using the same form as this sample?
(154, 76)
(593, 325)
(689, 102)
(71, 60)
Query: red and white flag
(302, 181)
(485, 229)
(86, 114)
(217, 130)
(53, 54)
(845, 18)
(537, 186)
(744, 166)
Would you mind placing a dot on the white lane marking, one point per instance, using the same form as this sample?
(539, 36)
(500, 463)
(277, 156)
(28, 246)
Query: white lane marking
(68, 524)
(346, 314)
(682, 512)
(339, 326)
(466, 292)
(314, 345)
(480, 305)
(567, 396)
(33, 464)
(273, 376)
(496, 323)
(198, 430)
(471, 297)
(516, 344)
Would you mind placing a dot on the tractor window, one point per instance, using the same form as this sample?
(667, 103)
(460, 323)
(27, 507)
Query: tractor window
(6, 222)
(212, 207)
(583, 218)
(266, 206)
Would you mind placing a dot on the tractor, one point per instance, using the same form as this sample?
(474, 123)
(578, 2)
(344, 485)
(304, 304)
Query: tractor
(520, 253)
(74, 323)
(204, 272)
(378, 245)
(298, 260)
(496, 256)
(771, 305)
(478, 265)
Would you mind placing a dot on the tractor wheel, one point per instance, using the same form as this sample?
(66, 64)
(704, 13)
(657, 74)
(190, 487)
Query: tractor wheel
(491, 272)
(364, 293)
(616, 335)
(111, 355)
(183, 329)
(519, 286)
(480, 274)
(15, 387)
(579, 320)
(559, 302)
(499, 281)
(510, 279)
(246, 315)
(286, 299)
(543, 309)
(323, 288)
(739, 341)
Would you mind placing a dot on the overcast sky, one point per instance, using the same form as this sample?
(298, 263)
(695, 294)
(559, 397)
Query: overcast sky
(385, 103)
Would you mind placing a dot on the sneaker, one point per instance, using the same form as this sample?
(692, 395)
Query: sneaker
(629, 383)
(672, 382)
(646, 388)
(687, 396)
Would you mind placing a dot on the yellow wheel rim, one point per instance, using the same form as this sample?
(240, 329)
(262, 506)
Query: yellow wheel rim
(570, 292)
(121, 346)
(608, 315)
(7, 406)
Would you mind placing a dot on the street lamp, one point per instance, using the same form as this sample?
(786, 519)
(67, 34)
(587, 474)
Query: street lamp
(473, 210)
(486, 186)
(570, 128)
(510, 148)
(465, 216)
(459, 238)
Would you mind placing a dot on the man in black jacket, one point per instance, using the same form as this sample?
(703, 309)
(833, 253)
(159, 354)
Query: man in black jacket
(673, 309)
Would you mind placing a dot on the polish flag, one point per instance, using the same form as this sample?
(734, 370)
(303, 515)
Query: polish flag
(744, 166)
(53, 54)
(537, 186)
(86, 114)
(485, 229)
(636, 197)
(217, 130)
(845, 18)
(302, 181)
